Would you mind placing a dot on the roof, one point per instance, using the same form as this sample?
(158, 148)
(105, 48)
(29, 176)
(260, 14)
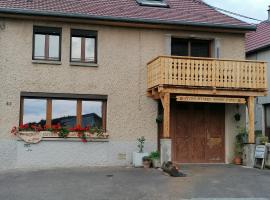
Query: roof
(179, 12)
(258, 39)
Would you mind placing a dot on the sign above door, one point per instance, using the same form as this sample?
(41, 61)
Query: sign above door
(206, 99)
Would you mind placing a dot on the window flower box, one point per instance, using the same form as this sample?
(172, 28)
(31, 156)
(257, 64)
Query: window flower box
(35, 135)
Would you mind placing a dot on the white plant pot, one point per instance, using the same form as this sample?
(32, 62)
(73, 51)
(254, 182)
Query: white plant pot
(156, 163)
(137, 159)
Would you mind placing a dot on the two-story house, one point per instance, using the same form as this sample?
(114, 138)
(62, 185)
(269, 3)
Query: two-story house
(125, 65)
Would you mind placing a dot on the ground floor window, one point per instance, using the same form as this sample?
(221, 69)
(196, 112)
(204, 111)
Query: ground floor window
(66, 110)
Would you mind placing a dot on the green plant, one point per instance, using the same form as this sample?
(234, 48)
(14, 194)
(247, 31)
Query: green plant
(242, 136)
(240, 139)
(155, 155)
(63, 133)
(141, 142)
(263, 140)
(146, 159)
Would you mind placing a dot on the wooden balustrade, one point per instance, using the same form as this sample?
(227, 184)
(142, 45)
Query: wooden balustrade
(207, 72)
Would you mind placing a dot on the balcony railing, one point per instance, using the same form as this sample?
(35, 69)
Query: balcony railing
(207, 72)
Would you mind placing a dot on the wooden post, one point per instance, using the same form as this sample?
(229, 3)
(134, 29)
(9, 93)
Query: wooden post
(251, 130)
(49, 113)
(79, 113)
(165, 99)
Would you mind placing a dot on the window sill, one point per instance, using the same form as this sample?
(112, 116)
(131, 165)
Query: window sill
(51, 62)
(81, 64)
(33, 137)
(70, 140)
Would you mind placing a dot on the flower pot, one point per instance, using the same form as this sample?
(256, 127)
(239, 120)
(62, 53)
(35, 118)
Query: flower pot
(146, 164)
(137, 159)
(237, 160)
(156, 163)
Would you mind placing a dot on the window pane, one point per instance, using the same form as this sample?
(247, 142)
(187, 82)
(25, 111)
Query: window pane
(34, 112)
(64, 113)
(39, 46)
(200, 48)
(179, 47)
(76, 49)
(54, 47)
(92, 114)
(89, 49)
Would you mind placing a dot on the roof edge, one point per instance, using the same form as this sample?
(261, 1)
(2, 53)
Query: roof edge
(259, 49)
(121, 19)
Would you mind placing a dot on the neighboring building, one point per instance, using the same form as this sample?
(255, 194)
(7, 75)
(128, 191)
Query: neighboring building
(258, 48)
(118, 60)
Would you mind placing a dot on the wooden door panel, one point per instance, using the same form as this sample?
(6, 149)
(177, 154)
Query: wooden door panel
(215, 133)
(183, 138)
(198, 150)
(183, 150)
(198, 132)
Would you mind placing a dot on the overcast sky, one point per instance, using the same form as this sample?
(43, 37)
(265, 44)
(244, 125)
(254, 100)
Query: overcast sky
(251, 8)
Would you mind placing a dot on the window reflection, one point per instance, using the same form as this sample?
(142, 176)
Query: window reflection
(89, 49)
(39, 46)
(54, 47)
(64, 113)
(34, 112)
(92, 114)
(76, 49)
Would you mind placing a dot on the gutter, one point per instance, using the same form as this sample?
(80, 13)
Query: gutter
(121, 19)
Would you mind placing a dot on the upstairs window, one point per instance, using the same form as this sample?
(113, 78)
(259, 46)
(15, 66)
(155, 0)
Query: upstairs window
(83, 46)
(154, 3)
(190, 47)
(47, 43)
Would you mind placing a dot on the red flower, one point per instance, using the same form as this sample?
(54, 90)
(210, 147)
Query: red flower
(84, 140)
(14, 130)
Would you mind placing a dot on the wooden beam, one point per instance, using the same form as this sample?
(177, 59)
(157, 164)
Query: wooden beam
(166, 115)
(203, 91)
(251, 130)
(49, 113)
(79, 113)
(104, 115)
(21, 111)
(161, 96)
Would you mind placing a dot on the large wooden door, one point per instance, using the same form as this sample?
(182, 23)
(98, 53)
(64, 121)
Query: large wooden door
(198, 131)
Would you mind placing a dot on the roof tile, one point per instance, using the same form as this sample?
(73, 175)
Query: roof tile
(259, 38)
(190, 11)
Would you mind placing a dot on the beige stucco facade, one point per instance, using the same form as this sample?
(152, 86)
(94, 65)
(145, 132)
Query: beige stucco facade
(123, 53)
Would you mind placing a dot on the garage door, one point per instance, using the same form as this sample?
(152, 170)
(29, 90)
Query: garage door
(198, 132)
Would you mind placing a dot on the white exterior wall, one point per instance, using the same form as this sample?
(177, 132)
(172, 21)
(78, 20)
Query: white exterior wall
(232, 128)
(122, 57)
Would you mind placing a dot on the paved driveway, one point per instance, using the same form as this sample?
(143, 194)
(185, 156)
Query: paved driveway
(203, 181)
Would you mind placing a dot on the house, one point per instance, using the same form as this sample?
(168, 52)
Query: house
(173, 71)
(258, 48)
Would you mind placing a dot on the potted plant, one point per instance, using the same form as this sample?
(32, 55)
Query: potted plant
(238, 151)
(263, 140)
(239, 145)
(138, 156)
(147, 162)
(155, 157)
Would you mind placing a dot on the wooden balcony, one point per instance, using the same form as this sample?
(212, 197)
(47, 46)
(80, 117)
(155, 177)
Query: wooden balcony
(206, 80)
(207, 76)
